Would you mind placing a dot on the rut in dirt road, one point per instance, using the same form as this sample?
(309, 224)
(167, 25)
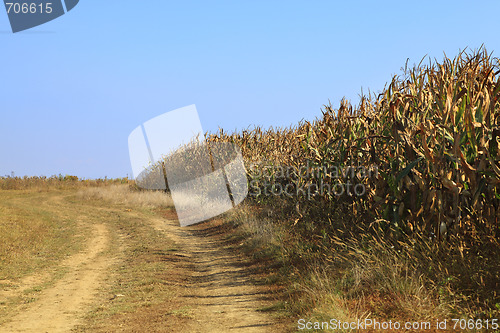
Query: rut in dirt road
(59, 309)
(219, 288)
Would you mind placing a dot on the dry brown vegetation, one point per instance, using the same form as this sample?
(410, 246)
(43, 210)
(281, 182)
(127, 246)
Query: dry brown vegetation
(44, 183)
(119, 194)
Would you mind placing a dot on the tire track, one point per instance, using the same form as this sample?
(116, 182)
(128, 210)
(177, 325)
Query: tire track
(219, 289)
(59, 308)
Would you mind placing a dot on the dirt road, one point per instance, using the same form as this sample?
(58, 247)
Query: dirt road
(59, 308)
(212, 282)
(219, 289)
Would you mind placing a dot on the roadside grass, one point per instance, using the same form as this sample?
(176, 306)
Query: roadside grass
(127, 195)
(360, 277)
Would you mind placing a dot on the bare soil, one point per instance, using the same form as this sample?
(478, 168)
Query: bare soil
(59, 308)
(219, 288)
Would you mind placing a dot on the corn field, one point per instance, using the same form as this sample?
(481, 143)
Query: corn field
(433, 135)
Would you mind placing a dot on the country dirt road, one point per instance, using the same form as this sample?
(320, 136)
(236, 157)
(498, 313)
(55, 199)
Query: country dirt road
(219, 290)
(211, 283)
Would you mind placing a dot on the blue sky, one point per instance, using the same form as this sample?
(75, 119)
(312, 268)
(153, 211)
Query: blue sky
(73, 89)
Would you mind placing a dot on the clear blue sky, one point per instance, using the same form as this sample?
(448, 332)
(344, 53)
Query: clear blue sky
(72, 90)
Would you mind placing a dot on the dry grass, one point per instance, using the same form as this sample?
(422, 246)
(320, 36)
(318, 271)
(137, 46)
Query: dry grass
(354, 279)
(124, 194)
(54, 182)
(392, 279)
(32, 236)
(260, 230)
